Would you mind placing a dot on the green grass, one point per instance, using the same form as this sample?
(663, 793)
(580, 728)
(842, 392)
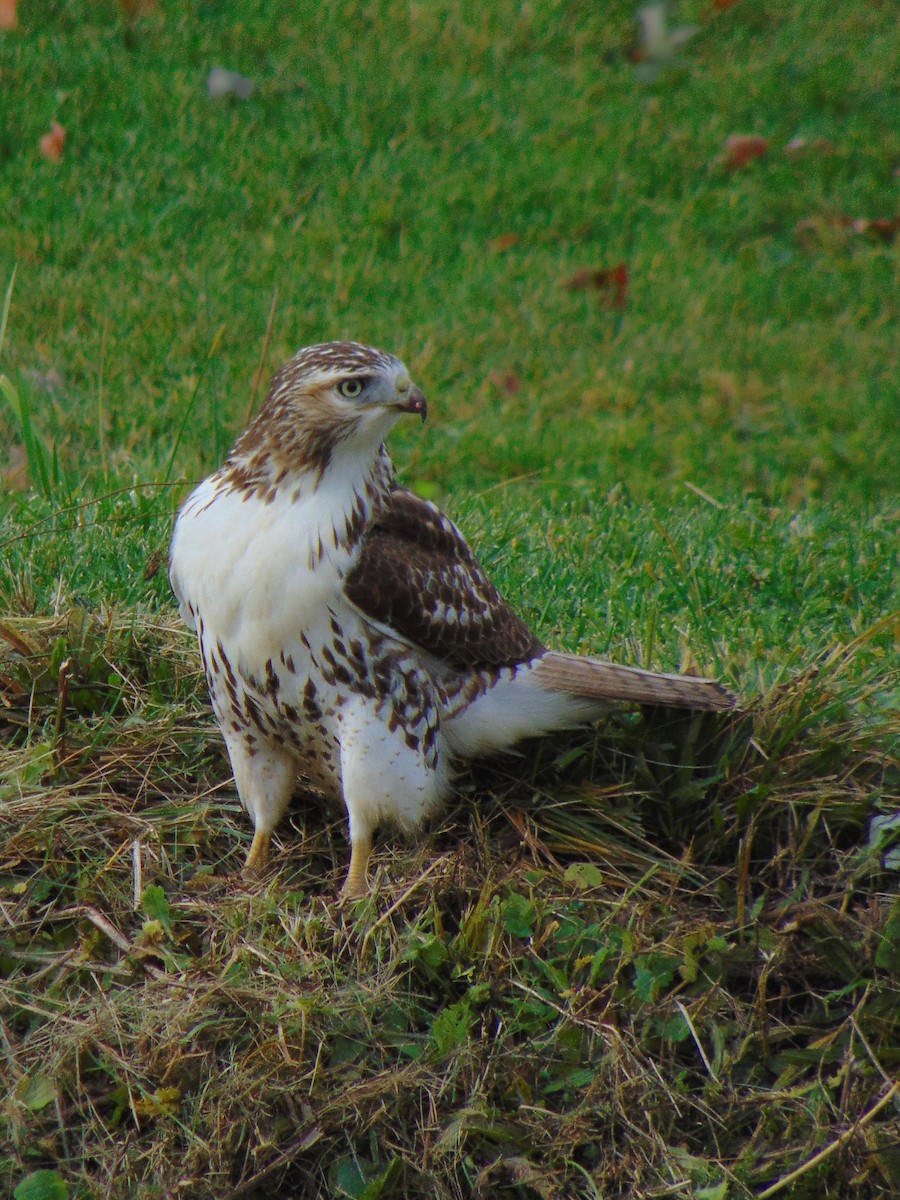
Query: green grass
(658, 959)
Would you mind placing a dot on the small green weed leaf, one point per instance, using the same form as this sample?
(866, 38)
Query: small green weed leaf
(574, 1080)
(363, 1180)
(344, 1050)
(519, 916)
(675, 1030)
(152, 932)
(156, 906)
(597, 963)
(690, 968)
(570, 757)
(557, 979)
(645, 984)
(28, 770)
(716, 1191)
(431, 951)
(451, 1026)
(376, 1186)
(687, 1161)
(42, 1185)
(411, 1050)
(653, 972)
(584, 876)
(38, 1091)
(42, 889)
(348, 1178)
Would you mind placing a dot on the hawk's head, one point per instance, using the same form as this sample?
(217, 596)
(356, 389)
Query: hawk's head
(335, 394)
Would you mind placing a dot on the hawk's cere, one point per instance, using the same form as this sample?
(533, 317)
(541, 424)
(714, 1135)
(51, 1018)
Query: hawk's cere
(349, 635)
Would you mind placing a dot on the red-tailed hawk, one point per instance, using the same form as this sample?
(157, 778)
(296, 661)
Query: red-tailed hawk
(349, 635)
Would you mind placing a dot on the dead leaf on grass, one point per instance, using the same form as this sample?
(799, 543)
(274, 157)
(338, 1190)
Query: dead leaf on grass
(612, 282)
(53, 143)
(154, 562)
(883, 228)
(506, 381)
(505, 241)
(743, 148)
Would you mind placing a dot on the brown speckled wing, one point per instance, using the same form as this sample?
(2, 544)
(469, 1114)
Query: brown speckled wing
(416, 574)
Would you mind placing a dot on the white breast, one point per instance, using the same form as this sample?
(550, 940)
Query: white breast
(257, 573)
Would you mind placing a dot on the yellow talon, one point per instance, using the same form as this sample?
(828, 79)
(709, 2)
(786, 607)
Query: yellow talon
(356, 885)
(257, 856)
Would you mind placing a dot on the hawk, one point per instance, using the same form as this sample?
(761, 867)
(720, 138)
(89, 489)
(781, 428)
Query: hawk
(350, 637)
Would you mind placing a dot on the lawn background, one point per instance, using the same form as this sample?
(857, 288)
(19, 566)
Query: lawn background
(703, 476)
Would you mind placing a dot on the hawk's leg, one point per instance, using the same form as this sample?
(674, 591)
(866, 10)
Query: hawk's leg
(258, 855)
(265, 774)
(390, 768)
(356, 885)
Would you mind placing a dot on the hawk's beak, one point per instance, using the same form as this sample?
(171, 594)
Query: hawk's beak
(413, 402)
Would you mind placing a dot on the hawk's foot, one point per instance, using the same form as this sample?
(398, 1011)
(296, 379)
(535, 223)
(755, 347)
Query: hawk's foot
(356, 885)
(257, 856)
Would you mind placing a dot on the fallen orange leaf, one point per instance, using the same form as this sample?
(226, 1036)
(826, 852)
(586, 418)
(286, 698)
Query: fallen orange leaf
(884, 228)
(611, 280)
(506, 381)
(9, 18)
(52, 143)
(505, 241)
(742, 148)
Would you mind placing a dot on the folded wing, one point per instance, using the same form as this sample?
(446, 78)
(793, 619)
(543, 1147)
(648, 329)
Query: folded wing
(417, 575)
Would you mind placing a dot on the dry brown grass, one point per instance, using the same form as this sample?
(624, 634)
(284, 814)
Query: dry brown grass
(661, 961)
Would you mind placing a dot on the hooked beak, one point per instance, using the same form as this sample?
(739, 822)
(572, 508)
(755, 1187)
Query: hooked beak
(413, 402)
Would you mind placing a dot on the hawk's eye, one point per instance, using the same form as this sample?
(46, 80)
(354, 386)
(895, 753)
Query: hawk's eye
(350, 388)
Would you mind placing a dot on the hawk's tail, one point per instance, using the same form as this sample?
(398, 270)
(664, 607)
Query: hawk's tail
(596, 680)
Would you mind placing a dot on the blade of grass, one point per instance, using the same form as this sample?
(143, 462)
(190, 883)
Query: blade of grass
(190, 404)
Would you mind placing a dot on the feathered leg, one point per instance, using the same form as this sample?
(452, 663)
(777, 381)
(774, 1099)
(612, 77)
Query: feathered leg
(265, 775)
(389, 772)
